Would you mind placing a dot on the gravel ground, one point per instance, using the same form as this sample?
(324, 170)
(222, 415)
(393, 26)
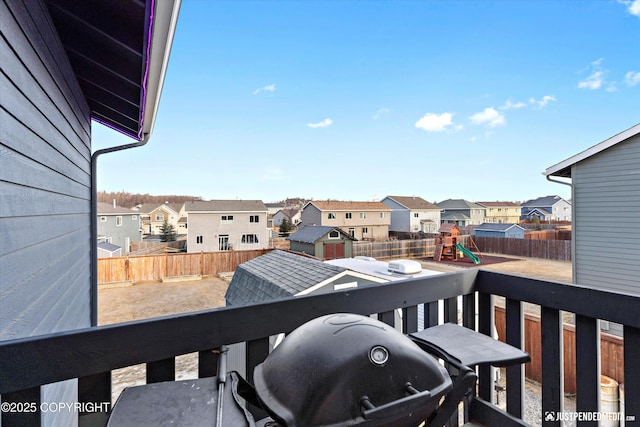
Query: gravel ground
(143, 300)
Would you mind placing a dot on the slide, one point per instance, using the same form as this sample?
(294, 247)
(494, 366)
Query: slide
(468, 253)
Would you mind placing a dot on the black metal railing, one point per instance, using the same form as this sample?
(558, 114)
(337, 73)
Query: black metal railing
(90, 355)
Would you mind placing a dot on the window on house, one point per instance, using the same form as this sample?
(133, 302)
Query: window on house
(227, 219)
(365, 230)
(254, 218)
(118, 221)
(363, 215)
(159, 217)
(382, 214)
(348, 215)
(416, 215)
(334, 234)
(249, 238)
(331, 215)
(103, 219)
(352, 232)
(198, 239)
(223, 242)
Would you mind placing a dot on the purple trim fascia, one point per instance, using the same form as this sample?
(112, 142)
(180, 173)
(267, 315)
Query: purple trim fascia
(114, 127)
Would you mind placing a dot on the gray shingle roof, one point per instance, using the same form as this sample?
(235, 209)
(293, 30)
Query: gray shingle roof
(108, 209)
(226, 206)
(109, 247)
(542, 202)
(277, 274)
(458, 204)
(495, 227)
(311, 233)
(412, 202)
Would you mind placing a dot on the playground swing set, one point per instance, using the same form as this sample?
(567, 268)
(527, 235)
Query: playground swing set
(449, 248)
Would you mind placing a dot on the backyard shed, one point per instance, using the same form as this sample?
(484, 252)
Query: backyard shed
(510, 231)
(323, 242)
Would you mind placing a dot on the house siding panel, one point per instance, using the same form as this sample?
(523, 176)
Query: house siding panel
(607, 202)
(44, 187)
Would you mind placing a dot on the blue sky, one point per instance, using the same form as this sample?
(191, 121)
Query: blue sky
(360, 100)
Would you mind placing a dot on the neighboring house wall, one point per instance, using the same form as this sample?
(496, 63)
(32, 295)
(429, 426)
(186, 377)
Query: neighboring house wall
(45, 179)
(405, 219)
(120, 228)
(217, 230)
(502, 213)
(362, 220)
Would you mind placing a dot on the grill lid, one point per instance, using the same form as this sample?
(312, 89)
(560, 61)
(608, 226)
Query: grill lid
(347, 369)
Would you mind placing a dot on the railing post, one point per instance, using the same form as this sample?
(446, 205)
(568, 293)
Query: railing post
(552, 366)
(486, 324)
(588, 367)
(514, 328)
(161, 370)
(94, 389)
(22, 408)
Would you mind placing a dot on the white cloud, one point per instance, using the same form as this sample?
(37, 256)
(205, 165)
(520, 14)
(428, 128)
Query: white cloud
(381, 112)
(632, 78)
(432, 122)
(268, 88)
(513, 105)
(323, 124)
(489, 117)
(633, 6)
(595, 79)
(544, 101)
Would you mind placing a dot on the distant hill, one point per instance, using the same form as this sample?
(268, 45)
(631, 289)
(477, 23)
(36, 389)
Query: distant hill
(129, 200)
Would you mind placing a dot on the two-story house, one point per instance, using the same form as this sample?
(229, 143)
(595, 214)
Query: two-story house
(411, 214)
(461, 212)
(154, 215)
(547, 208)
(118, 226)
(501, 212)
(291, 215)
(361, 220)
(223, 225)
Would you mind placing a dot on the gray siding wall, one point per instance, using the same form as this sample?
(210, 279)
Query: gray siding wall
(44, 184)
(311, 216)
(130, 229)
(606, 226)
(400, 216)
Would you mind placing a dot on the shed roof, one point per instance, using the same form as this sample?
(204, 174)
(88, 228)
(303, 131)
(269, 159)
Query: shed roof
(119, 51)
(563, 169)
(496, 227)
(226, 206)
(109, 247)
(312, 233)
(413, 202)
(277, 274)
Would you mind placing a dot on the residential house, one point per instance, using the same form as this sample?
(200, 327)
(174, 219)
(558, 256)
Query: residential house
(509, 231)
(118, 226)
(605, 191)
(291, 215)
(64, 64)
(361, 220)
(153, 216)
(501, 212)
(461, 212)
(323, 242)
(411, 214)
(547, 208)
(222, 225)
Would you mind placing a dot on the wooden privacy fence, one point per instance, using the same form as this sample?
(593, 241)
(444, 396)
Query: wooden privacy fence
(419, 248)
(611, 351)
(157, 267)
(548, 249)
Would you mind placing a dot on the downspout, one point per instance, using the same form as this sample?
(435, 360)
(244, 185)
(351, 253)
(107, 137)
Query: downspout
(573, 228)
(94, 219)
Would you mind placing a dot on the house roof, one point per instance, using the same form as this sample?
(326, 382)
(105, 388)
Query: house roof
(538, 210)
(277, 274)
(349, 206)
(311, 233)
(544, 201)
(455, 216)
(458, 204)
(413, 202)
(563, 169)
(289, 213)
(226, 206)
(119, 51)
(109, 209)
(496, 227)
(499, 204)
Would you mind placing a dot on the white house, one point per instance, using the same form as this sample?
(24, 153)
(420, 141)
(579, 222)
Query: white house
(411, 214)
